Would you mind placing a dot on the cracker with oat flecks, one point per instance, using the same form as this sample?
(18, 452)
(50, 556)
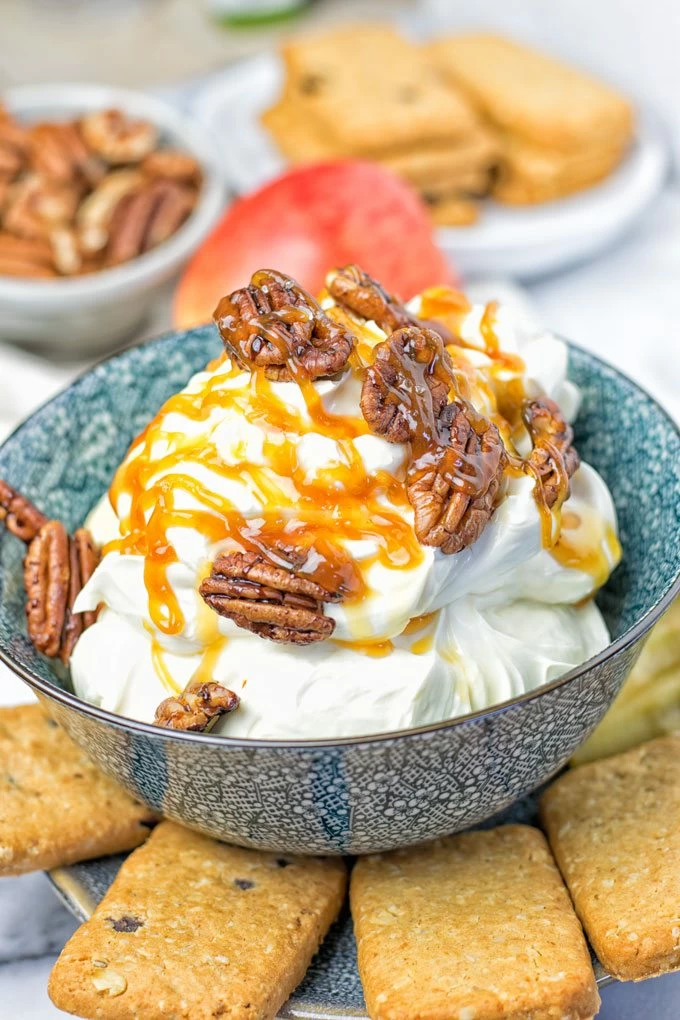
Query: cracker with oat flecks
(614, 827)
(197, 929)
(531, 95)
(369, 90)
(473, 926)
(56, 808)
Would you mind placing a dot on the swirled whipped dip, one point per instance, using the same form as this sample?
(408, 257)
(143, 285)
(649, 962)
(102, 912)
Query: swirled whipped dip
(420, 636)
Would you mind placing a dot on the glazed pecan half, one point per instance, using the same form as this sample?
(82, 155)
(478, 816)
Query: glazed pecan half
(56, 568)
(359, 293)
(269, 600)
(196, 707)
(355, 290)
(407, 386)
(554, 458)
(274, 324)
(453, 486)
(21, 517)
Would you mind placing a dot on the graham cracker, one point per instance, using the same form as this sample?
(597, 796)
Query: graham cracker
(196, 929)
(614, 827)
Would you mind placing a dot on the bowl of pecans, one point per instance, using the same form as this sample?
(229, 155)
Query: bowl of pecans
(104, 194)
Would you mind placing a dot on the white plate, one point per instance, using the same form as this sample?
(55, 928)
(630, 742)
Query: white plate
(524, 242)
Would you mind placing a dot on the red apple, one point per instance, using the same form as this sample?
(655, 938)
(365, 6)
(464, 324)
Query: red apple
(309, 220)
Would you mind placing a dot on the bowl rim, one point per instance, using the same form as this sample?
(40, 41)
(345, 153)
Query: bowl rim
(190, 134)
(71, 701)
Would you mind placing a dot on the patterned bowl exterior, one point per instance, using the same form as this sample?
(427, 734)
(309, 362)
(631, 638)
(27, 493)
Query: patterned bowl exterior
(352, 795)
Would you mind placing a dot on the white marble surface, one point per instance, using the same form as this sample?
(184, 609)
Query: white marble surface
(626, 307)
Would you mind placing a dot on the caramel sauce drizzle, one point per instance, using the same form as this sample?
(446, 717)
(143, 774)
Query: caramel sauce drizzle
(339, 504)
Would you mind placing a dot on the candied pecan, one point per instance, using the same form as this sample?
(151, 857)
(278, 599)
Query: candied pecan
(360, 293)
(268, 600)
(197, 706)
(21, 517)
(274, 323)
(554, 458)
(453, 486)
(407, 386)
(55, 569)
(355, 290)
(117, 137)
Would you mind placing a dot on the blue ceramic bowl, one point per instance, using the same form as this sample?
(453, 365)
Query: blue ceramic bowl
(346, 795)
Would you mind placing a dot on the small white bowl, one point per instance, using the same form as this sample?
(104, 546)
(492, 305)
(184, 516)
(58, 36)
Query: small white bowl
(90, 314)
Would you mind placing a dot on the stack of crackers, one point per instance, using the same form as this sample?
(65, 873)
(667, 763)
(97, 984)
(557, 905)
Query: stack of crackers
(461, 118)
(482, 926)
(560, 130)
(366, 92)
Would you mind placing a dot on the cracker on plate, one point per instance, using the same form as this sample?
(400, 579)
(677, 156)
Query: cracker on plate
(56, 808)
(476, 926)
(614, 827)
(371, 90)
(532, 95)
(197, 929)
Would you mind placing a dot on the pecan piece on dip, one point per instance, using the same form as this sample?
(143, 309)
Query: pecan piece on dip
(196, 707)
(453, 485)
(356, 291)
(458, 457)
(55, 570)
(554, 458)
(274, 324)
(407, 385)
(271, 601)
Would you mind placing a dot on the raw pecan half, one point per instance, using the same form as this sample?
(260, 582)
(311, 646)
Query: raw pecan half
(268, 600)
(21, 517)
(55, 569)
(453, 486)
(117, 137)
(554, 458)
(145, 217)
(196, 707)
(407, 385)
(274, 324)
(58, 153)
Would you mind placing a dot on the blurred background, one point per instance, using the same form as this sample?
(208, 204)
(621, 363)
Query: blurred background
(591, 254)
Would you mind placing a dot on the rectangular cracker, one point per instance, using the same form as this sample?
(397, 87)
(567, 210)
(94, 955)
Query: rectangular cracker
(197, 929)
(531, 173)
(56, 808)
(614, 827)
(474, 926)
(532, 95)
(370, 90)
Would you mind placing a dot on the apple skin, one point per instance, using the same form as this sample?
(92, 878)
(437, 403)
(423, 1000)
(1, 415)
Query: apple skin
(309, 220)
